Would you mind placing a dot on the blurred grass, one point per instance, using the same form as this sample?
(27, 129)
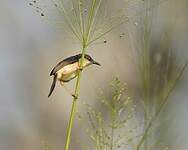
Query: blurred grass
(114, 124)
(159, 74)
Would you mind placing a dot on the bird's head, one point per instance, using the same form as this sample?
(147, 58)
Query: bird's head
(91, 60)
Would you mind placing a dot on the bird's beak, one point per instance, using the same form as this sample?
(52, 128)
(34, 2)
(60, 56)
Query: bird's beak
(96, 63)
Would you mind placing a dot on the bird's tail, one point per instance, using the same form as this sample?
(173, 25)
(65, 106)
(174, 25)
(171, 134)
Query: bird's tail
(53, 85)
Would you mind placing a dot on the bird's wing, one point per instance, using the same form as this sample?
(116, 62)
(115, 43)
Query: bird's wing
(69, 60)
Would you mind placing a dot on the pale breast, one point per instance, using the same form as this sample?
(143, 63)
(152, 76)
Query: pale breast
(69, 69)
(68, 77)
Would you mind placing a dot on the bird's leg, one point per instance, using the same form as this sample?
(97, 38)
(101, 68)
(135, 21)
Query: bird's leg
(66, 89)
(74, 96)
(80, 68)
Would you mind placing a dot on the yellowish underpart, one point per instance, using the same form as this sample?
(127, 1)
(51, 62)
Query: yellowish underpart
(70, 71)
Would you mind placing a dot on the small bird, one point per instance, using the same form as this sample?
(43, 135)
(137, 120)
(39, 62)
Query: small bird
(68, 69)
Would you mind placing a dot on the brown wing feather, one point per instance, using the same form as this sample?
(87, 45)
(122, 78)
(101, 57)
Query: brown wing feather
(53, 85)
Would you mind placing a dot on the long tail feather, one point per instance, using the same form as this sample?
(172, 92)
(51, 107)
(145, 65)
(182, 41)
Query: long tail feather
(53, 85)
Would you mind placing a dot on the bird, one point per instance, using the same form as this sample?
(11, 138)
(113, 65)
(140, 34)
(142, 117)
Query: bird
(68, 69)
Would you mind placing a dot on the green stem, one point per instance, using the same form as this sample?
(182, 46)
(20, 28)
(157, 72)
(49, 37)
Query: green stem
(112, 131)
(73, 109)
(69, 129)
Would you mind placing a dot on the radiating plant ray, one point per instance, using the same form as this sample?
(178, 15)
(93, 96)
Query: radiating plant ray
(86, 19)
(90, 19)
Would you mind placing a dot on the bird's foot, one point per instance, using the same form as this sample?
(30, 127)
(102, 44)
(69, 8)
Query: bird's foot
(74, 96)
(81, 68)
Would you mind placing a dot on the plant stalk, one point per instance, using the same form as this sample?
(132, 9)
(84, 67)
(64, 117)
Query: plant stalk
(76, 94)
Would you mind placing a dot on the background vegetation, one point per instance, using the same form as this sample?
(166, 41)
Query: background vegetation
(147, 52)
